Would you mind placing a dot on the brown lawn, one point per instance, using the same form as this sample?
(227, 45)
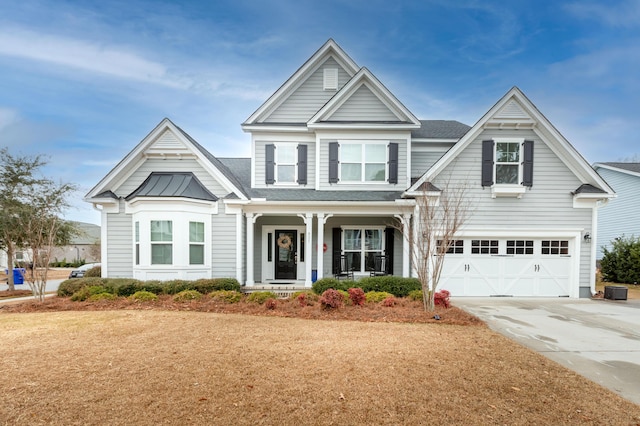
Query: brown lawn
(170, 363)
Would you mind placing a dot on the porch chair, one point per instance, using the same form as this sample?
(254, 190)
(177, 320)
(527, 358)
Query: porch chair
(380, 266)
(343, 269)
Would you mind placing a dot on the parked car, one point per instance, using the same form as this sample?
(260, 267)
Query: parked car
(79, 273)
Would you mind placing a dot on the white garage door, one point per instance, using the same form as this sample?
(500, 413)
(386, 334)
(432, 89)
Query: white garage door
(508, 267)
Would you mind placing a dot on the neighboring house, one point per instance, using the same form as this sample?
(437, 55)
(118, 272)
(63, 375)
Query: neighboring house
(336, 163)
(82, 246)
(622, 216)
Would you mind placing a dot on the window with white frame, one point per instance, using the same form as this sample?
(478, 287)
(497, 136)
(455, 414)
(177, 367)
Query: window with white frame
(508, 163)
(196, 243)
(286, 162)
(361, 246)
(555, 247)
(363, 162)
(161, 237)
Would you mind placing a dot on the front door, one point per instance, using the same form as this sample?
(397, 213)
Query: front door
(286, 255)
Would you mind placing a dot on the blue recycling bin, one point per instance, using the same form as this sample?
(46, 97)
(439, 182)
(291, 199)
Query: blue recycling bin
(18, 275)
(314, 275)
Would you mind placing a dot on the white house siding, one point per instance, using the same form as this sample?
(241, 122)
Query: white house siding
(119, 244)
(382, 186)
(307, 99)
(549, 197)
(622, 215)
(363, 105)
(223, 244)
(259, 158)
(170, 165)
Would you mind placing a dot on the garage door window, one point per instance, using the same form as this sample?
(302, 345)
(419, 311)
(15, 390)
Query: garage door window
(455, 247)
(484, 246)
(558, 247)
(519, 246)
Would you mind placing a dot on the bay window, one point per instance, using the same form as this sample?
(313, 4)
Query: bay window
(161, 242)
(196, 243)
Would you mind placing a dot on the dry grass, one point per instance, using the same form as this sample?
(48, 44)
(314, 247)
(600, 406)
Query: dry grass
(178, 367)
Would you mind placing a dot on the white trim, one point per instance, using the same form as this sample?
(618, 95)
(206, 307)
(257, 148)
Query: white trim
(268, 268)
(104, 243)
(616, 169)
(239, 269)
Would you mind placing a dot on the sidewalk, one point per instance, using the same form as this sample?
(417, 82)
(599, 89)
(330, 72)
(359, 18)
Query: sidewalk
(50, 290)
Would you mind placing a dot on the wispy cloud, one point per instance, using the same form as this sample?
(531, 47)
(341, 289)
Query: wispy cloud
(113, 61)
(617, 14)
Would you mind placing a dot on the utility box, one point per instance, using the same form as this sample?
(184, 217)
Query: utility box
(615, 292)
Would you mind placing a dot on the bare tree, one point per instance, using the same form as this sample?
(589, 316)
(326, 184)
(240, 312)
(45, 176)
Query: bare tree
(438, 217)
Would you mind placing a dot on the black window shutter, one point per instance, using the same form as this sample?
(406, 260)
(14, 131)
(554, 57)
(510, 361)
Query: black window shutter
(333, 162)
(388, 248)
(269, 164)
(487, 163)
(302, 164)
(336, 247)
(527, 165)
(393, 162)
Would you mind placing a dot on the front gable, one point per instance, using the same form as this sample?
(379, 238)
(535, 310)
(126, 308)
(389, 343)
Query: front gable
(514, 122)
(166, 149)
(307, 89)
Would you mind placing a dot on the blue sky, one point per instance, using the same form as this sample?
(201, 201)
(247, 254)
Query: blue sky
(82, 82)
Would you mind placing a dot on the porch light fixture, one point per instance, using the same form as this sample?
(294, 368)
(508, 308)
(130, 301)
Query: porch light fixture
(587, 237)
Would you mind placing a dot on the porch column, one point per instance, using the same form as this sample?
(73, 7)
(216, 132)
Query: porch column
(320, 248)
(406, 247)
(249, 240)
(308, 240)
(239, 271)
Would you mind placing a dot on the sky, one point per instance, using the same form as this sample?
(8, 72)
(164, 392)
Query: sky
(83, 82)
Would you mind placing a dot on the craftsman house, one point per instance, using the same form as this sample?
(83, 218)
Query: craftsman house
(336, 163)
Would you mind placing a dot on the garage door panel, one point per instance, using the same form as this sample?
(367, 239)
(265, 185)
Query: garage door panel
(484, 276)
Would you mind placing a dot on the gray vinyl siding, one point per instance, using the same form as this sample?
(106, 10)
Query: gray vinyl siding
(548, 205)
(170, 165)
(423, 160)
(621, 216)
(307, 99)
(363, 105)
(120, 244)
(259, 164)
(383, 186)
(223, 244)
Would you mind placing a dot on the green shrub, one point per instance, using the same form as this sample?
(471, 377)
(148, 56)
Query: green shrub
(261, 296)
(143, 296)
(152, 286)
(68, 287)
(376, 296)
(122, 286)
(102, 296)
(187, 295)
(324, 284)
(416, 295)
(622, 263)
(96, 271)
(397, 286)
(86, 292)
(208, 285)
(227, 296)
(176, 286)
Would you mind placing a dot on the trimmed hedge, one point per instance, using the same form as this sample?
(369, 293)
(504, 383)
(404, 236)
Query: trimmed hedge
(397, 286)
(128, 286)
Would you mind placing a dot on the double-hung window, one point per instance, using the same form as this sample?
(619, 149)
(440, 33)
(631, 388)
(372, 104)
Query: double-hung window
(507, 166)
(361, 246)
(196, 243)
(508, 163)
(137, 236)
(286, 163)
(161, 242)
(363, 162)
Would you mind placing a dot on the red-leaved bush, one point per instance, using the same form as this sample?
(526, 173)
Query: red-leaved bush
(271, 304)
(441, 298)
(356, 295)
(331, 299)
(389, 302)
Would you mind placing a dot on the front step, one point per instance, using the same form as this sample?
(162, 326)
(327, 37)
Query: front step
(282, 291)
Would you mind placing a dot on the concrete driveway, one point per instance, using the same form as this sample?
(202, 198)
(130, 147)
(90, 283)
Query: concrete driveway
(599, 339)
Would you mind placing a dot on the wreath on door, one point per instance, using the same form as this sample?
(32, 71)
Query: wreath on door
(284, 242)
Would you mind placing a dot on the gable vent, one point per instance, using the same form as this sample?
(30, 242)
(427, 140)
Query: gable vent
(512, 110)
(331, 79)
